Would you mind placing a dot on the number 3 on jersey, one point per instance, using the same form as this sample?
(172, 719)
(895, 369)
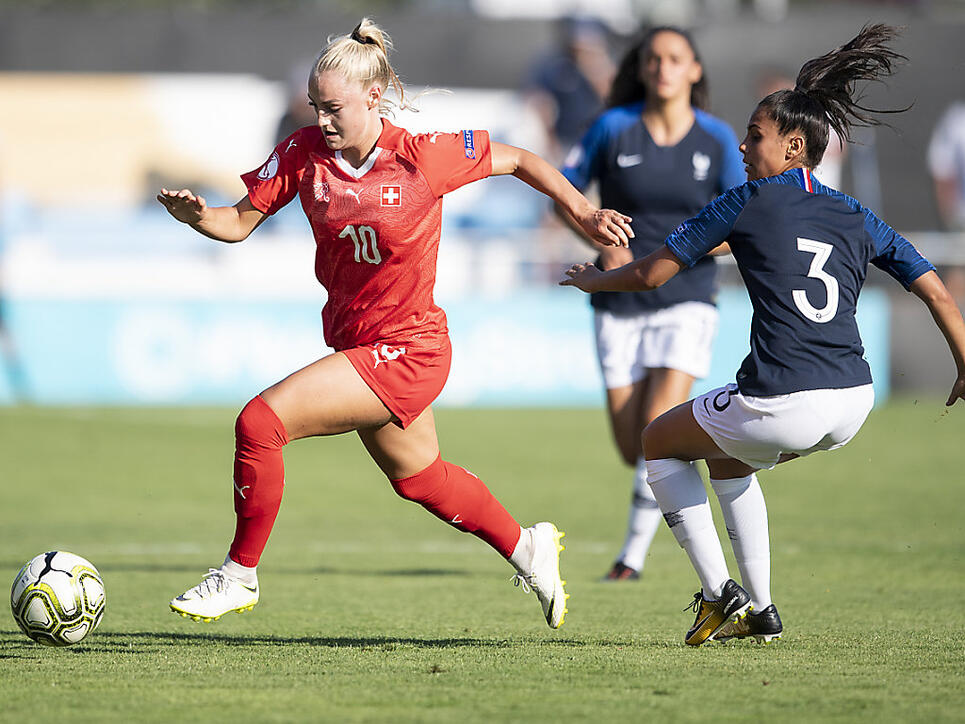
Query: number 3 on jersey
(366, 243)
(821, 253)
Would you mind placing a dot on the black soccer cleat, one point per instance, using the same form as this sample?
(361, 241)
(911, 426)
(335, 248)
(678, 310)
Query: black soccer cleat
(712, 616)
(763, 627)
(621, 572)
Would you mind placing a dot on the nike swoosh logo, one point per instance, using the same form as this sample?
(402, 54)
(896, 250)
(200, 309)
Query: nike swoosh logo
(249, 588)
(698, 626)
(626, 161)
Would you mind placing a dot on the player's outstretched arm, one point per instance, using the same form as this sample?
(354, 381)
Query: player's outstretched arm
(606, 226)
(642, 275)
(931, 290)
(223, 223)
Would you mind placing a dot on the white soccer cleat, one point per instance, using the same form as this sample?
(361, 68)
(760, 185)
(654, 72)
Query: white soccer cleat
(543, 577)
(216, 595)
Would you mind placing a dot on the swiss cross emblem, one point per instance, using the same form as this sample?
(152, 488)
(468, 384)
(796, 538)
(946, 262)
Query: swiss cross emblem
(391, 195)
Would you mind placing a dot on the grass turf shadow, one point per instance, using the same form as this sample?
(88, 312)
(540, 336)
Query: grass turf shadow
(15, 645)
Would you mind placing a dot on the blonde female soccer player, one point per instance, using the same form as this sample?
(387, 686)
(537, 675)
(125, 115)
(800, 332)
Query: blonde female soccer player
(372, 193)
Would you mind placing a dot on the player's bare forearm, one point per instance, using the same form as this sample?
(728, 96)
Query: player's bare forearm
(642, 275)
(931, 290)
(606, 226)
(574, 225)
(222, 223)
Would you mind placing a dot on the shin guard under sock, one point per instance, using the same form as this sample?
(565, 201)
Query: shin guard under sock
(644, 519)
(745, 515)
(458, 497)
(677, 486)
(259, 479)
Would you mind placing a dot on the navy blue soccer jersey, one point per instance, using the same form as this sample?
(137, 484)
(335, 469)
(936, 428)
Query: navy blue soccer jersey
(803, 251)
(658, 186)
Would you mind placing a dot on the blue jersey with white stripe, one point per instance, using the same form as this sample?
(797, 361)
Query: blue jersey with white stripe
(658, 186)
(803, 251)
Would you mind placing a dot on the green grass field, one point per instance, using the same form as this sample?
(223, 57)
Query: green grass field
(372, 610)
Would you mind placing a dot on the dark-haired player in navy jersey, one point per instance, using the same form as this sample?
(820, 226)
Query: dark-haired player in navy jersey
(659, 157)
(803, 251)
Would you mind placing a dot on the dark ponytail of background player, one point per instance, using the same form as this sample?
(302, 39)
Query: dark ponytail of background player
(629, 88)
(825, 94)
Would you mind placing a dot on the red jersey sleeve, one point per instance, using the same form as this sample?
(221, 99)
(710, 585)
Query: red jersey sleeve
(275, 182)
(451, 160)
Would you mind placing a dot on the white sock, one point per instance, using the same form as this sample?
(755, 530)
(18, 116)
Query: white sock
(643, 521)
(745, 515)
(246, 575)
(677, 486)
(522, 556)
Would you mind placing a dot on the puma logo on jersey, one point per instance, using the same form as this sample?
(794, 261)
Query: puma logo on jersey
(625, 160)
(354, 194)
(291, 144)
(241, 490)
(385, 353)
(456, 519)
(701, 162)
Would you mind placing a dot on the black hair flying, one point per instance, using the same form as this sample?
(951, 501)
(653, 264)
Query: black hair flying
(825, 93)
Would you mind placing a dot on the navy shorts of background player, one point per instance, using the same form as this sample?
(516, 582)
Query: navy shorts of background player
(803, 251)
(657, 186)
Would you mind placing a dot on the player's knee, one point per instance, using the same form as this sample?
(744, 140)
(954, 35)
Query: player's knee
(258, 426)
(423, 487)
(653, 441)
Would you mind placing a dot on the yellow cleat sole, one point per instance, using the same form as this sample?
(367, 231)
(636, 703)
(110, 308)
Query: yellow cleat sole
(559, 549)
(209, 619)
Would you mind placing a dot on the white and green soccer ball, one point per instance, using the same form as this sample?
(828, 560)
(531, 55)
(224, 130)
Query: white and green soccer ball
(58, 598)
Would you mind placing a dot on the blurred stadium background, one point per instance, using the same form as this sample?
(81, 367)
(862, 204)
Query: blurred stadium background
(106, 300)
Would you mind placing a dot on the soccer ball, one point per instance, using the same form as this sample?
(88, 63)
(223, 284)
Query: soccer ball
(57, 598)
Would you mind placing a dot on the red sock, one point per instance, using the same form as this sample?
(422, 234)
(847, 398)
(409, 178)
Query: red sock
(259, 479)
(458, 497)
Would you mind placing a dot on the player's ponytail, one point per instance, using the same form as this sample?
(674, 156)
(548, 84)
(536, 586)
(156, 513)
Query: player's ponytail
(363, 56)
(627, 86)
(825, 95)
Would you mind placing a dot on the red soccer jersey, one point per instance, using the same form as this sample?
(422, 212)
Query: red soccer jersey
(376, 228)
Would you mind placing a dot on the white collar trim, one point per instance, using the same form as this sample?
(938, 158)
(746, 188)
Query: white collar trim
(357, 173)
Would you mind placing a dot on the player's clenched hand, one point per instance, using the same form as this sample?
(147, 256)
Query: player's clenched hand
(608, 227)
(183, 205)
(582, 276)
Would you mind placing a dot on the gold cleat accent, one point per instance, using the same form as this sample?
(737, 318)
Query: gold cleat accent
(763, 627)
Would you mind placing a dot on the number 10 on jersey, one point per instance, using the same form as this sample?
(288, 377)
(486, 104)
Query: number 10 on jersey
(365, 241)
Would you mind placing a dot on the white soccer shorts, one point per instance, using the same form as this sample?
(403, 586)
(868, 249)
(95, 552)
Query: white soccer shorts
(679, 337)
(758, 430)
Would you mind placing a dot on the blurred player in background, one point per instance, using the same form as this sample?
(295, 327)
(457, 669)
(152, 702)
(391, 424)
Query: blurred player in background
(946, 163)
(803, 250)
(373, 196)
(567, 87)
(659, 157)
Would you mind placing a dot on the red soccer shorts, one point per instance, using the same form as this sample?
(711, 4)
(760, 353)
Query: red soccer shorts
(406, 376)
